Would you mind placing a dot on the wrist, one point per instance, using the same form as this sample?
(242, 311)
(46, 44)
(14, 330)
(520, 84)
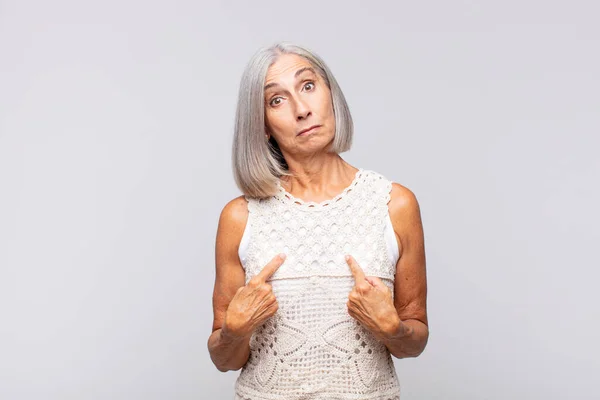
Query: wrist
(396, 329)
(230, 334)
(231, 337)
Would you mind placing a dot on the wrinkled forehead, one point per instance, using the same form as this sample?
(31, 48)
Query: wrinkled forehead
(288, 68)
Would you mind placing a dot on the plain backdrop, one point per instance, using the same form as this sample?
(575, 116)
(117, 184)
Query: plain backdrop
(116, 122)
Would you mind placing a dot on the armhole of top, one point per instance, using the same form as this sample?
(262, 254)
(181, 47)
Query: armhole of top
(390, 239)
(390, 236)
(243, 247)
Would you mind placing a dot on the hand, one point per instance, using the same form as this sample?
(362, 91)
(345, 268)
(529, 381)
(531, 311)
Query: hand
(371, 303)
(252, 304)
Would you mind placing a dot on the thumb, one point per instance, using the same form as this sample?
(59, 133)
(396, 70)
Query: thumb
(376, 282)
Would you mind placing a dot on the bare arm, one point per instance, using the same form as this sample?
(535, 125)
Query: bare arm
(408, 339)
(407, 335)
(239, 308)
(228, 352)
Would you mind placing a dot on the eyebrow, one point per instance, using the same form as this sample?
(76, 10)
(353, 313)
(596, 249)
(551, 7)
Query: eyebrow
(300, 71)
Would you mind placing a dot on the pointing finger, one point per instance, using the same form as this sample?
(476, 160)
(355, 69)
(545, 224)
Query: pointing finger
(376, 282)
(370, 280)
(271, 267)
(357, 271)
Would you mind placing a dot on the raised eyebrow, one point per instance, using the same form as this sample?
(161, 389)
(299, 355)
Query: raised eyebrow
(304, 69)
(300, 71)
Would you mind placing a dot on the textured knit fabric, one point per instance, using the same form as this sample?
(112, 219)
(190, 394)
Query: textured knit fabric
(390, 241)
(311, 348)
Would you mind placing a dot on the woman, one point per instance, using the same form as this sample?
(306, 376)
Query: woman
(302, 320)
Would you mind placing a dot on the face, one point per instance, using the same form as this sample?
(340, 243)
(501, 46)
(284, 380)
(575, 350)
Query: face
(297, 98)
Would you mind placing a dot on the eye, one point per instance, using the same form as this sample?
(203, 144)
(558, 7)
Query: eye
(310, 83)
(272, 102)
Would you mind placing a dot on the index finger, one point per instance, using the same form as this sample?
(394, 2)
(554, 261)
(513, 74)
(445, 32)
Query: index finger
(271, 267)
(356, 270)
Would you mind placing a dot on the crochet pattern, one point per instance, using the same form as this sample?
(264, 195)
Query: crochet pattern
(311, 348)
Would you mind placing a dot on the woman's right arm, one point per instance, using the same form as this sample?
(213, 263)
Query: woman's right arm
(238, 309)
(228, 352)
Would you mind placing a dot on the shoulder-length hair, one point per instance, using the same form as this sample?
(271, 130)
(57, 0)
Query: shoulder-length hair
(257, 163)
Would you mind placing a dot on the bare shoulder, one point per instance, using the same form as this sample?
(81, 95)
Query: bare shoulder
(405, 213)
(234, 216)
(402, 199)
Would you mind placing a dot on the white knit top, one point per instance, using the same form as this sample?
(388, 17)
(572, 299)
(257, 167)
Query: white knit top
(311, 348)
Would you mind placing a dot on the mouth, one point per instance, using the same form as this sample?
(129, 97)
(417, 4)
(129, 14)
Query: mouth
(308, 131)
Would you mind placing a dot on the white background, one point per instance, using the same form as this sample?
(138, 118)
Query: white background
(116, 122)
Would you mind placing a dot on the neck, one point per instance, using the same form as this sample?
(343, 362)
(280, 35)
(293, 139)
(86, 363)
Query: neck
(320, 178)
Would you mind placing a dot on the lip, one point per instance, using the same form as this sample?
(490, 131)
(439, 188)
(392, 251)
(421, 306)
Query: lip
(308, 130)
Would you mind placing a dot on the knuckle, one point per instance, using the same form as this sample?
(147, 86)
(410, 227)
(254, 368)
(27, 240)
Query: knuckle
(267, 288)
(254, 281)
(363, 287)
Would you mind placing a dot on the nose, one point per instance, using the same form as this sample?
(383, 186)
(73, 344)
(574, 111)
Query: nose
(302, 110)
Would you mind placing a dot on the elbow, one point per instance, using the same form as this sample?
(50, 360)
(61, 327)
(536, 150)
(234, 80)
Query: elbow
(412, 352)
(423, 346)
(400, 356)
(416, 354)
(407, 355)
(421, 349)
(222, 368)
(219, 365)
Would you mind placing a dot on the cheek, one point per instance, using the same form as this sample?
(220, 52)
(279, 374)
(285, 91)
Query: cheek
(327, 106)
(282, 122)
(276, 119)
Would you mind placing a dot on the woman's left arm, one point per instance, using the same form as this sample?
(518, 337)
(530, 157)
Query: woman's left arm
(408, 334)
(400, 323)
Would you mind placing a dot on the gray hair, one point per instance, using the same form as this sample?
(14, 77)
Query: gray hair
(257, 163)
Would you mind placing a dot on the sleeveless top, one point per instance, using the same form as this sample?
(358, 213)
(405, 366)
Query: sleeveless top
(311, 348)
(390, 241)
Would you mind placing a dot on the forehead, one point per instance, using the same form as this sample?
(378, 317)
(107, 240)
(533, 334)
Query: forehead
(285, 67)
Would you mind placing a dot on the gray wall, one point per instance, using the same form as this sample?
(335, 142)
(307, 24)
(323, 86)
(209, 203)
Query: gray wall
(115, 131)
